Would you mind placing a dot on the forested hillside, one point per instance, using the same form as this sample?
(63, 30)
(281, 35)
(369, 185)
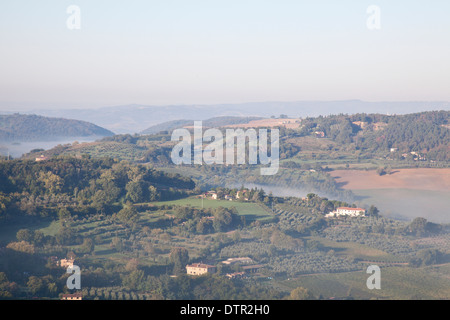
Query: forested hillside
(19, 127)
(425, 132)
(70, 186)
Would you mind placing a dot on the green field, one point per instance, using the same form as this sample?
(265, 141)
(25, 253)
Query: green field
(52, 228)
(8, 232)
(251, 211)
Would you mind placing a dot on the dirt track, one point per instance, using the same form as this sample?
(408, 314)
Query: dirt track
(419, 179)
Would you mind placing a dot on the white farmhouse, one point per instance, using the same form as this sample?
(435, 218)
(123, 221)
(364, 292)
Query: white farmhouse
(346, 211)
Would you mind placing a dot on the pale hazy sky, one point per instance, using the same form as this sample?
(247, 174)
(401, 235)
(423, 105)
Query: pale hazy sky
(214, 51)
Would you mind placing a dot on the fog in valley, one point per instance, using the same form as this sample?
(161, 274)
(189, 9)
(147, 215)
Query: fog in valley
(400, 204)
(17, 149)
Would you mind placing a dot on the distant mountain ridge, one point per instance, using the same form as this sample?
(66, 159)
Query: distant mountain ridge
(136, 118)
(21, 127)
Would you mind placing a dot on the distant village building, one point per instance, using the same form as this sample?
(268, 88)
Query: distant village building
(74, 296)
(320, 134)
(41, 158)
(346, 211)
(241, 194)
(66, 263)
(417, 156)
(212, 194)
(197, 269)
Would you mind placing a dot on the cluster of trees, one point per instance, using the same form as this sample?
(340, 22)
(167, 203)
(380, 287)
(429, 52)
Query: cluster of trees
(384, 170)
(338, 128)
(124, 138)
(184, 287)
(158, 155)
(32, 241)
(204, 221)
(427, 257)
(251, 194)
(421, 227)
(7, 288)
(67, 186)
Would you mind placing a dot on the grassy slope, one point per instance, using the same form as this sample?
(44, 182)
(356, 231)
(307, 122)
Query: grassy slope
(251, 211)
(8, 232)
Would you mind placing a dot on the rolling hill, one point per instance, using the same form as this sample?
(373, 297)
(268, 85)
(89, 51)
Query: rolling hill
(212, 122)
(20, 127)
